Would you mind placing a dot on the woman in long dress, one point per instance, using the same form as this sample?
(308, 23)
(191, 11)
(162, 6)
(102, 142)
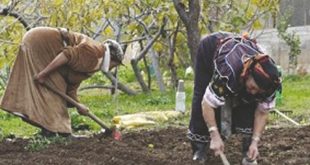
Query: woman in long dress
(62, 59)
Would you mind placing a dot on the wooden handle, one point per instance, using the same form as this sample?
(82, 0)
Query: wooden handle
(97, 120)
(224, 159)
(64, 96)
(76, 104)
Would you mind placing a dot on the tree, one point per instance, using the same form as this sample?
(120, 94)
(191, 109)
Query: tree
(291, 39)
(190, 18)
(65, 13)
(167, 47)
(224, 15)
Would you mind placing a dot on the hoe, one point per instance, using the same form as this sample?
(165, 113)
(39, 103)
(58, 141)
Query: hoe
(116, 135)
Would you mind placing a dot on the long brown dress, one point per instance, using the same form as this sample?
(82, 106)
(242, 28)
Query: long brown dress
(35, 103)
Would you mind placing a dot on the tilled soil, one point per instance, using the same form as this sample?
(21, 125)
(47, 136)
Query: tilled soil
(282, 146)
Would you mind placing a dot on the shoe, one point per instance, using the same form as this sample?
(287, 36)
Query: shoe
(200, 156)
(246, 161)
(47, 133)
(199, 151)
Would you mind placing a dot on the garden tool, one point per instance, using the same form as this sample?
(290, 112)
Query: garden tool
(108, 131)
(224, 159)
(286, 117)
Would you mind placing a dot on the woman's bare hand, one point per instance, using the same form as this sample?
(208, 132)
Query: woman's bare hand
(40, 78)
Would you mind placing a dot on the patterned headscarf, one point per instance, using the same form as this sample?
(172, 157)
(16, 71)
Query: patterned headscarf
(264, 72)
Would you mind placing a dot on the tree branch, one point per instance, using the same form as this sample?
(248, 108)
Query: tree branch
(133, 40)
(7, 11)
(194, 8)
(150, 44)
(120, 86)
(180, 8)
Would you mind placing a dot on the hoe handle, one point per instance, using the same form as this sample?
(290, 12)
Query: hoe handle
(224, 159)
(76, 104)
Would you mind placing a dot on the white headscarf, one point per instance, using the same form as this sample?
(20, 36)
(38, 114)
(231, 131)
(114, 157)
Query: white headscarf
(107, 58)
(117, 53)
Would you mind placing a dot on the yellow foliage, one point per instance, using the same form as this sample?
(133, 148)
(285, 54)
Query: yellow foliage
(158, 47)
(108, 31)
(257, 24)
(57, 3)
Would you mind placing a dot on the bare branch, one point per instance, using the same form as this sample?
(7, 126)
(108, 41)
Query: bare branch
(7, 11)
(103, 26)
(120, 86)
(8, 42)
(133, 40)
(151, 42)
(256, 16)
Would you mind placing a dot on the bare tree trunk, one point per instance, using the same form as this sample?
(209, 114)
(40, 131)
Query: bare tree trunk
(137, 71)
(149, 77)
(113, 90)
(182, 60)
(155, 64)
(171, 42)
(134, 62)
(190, 19)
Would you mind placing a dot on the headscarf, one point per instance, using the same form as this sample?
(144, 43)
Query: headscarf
(113, 52)
(116, 50)
(264, 72)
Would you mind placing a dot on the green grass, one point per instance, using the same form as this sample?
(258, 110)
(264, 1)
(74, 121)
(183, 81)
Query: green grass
(296, 94)
(11, 125)
(296, 97)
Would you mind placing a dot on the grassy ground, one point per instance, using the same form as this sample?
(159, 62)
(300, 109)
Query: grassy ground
(295, 97)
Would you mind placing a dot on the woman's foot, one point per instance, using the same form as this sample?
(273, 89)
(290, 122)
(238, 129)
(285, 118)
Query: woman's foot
(47, 133)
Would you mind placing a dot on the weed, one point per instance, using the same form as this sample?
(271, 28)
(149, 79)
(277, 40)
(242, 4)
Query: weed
(39, 142)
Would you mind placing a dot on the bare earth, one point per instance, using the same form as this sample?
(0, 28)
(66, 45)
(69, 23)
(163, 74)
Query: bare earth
(283, 146)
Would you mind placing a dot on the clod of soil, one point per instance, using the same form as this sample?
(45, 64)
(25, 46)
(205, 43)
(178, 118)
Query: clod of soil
(282, 146)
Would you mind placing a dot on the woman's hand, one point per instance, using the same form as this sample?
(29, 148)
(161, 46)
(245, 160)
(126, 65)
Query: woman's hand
(40, 78)
(253, 151)
(82, 109)
(58, 61)
(217, 144)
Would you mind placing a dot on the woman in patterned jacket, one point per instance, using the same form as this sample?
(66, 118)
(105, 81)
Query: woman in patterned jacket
(232, 76)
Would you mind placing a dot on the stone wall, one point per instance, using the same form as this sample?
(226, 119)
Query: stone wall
(279, 50)
(300, 11)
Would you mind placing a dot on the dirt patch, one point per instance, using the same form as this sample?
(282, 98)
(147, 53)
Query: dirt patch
(283, 146)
